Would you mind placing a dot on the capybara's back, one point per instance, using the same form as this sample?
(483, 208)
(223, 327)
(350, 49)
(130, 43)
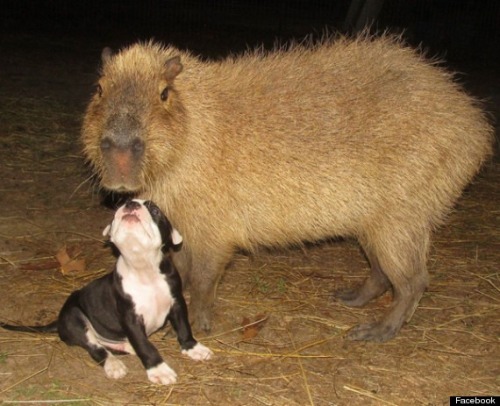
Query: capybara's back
(360, 137)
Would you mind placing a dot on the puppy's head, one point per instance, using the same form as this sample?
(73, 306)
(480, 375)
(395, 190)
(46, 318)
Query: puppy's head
(141, 225)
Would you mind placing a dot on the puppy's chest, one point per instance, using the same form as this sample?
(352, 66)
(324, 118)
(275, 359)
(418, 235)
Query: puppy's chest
(151, 297)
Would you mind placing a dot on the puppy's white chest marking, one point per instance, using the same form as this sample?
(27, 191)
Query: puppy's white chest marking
(150, 294)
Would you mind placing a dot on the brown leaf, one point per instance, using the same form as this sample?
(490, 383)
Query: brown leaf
(251, 329)
(69, 264)
(62, 256)
(74, 265)
(385, 300)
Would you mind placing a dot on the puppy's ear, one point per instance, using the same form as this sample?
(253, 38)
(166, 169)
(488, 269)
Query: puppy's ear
(176, 237)
(106, 231)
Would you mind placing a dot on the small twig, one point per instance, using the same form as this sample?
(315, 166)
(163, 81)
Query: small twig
(303, 373)
(465, 316)
(25, 379)
(261, 320)
(237, 351)
(488, 296)
(486, 280)
(8, 261)
(41, 233)
(368, 394)
(45, 401)
(313, 344)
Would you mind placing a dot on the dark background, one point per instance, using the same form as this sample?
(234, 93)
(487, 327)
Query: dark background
(49, 61)
(457, 30)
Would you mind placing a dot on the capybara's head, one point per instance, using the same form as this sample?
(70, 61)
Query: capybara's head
(135, 104)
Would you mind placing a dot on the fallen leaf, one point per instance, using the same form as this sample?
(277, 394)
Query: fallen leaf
(251, 329)
(62, 256)
(68, 264)
(385, 300)
(75, 265)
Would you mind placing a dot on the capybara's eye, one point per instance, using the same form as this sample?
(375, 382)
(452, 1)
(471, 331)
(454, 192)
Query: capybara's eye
(98, 90)
(106, 144)
(164, 94)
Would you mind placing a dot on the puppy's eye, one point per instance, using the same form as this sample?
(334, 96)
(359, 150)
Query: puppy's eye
(164, 94)
(98, 90)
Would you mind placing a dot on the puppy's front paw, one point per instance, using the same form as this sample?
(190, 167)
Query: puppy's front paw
(114, 368)
(199, 352)
(162, 374)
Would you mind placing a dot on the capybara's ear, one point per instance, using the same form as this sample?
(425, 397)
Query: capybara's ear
(106, 55)
(173, 67)
(176, 237)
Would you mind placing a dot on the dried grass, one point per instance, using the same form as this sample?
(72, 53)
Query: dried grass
(297, 357)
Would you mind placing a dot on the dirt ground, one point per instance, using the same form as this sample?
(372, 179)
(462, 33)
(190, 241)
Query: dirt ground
(295, 354)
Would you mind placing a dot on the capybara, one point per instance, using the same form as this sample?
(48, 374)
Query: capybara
(360, 137)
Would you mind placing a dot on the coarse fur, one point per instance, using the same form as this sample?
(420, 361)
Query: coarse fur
(358, 137)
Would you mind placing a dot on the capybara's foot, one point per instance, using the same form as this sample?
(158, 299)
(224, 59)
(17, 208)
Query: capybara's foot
(349, 297)
(360, 296)
(377, 331)
(374, 286)
(202, 320)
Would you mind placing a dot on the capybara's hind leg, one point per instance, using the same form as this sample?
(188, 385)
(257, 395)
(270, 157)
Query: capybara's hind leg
(401, 310)
(374, 286)
(403, 262)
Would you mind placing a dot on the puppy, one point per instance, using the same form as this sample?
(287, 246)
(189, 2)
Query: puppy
(117, 313)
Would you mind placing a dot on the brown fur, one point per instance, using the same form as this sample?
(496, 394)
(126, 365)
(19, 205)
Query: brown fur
(359, 137)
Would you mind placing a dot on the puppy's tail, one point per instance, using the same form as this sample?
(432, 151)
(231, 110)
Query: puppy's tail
(48, 328)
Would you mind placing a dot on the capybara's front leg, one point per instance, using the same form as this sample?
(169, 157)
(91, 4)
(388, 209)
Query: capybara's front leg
(204, 276)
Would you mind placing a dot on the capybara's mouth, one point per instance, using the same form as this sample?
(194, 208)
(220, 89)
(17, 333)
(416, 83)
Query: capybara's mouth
(117, 184)
(125, 189)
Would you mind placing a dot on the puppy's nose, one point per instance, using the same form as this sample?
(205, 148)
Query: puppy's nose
(132, 205)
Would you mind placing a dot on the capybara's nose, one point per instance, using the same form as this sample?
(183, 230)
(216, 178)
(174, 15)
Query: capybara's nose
(132, 205)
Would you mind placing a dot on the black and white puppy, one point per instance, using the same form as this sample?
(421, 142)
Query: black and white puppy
(117, 313)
